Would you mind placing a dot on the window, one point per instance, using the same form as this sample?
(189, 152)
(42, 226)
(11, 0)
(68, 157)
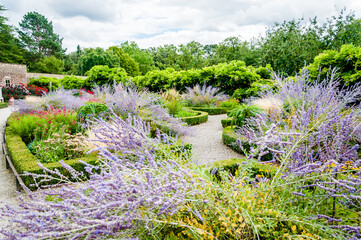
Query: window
(8, 82)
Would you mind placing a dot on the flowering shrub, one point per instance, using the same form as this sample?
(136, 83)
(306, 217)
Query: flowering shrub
(42, 124)
(315, 141)
(17, 91)
(37, 91)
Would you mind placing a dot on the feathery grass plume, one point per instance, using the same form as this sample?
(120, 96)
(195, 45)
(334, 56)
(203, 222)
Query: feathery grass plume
(130, 189)
(203, 95)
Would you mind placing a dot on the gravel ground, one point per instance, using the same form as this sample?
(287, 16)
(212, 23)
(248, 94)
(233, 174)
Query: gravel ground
(8, 193)
(207, 141)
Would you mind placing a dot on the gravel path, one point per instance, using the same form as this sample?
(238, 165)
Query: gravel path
(207, 141)
(8, 191)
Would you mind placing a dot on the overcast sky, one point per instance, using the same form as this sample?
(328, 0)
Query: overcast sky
(151, 23)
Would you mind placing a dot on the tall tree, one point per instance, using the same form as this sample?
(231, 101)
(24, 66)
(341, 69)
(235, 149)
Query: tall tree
(141, 56)
(96, 56)
(38, 38)
(10, 52)
(125, 61)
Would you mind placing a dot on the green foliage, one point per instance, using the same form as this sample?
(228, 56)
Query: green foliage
(240, 114)
(96, 56)
(37, 37)
(10, 50)
(174, 106)
(72, 82)
(347, 61)
(201, 117)
(229, 104)
(255, 89)
(45, 82)
(16, 91)
(141, 56)
(103, 75)
(226, 122)
(3, 105)
(48, 65)
(125, 61)
(92, 110)
(229, 138)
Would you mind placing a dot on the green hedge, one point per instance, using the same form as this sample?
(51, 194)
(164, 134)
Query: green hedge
(252, 168)
(229, 138)
(202, 117)
(24, 161)
(211, 110)
(226, 122)
(3, 104)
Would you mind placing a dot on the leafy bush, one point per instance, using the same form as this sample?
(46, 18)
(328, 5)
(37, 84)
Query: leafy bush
(72, 82)
(347, 61)
(44, 82)
(229, 104)
(103, 75)
(240, 114)
(92, 110)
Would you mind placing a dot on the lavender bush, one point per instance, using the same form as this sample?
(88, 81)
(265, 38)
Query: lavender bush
(203, 95)
(129, 188)
(316, 139)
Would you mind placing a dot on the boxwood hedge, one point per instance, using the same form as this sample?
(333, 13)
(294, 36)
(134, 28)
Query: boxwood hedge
(201, 117)
(211, 110)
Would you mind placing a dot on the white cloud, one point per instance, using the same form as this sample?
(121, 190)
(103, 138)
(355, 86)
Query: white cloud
(92, 23)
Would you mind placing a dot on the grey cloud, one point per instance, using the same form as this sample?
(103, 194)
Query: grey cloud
(101, 11)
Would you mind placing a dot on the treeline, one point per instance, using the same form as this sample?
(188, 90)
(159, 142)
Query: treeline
(286, 47)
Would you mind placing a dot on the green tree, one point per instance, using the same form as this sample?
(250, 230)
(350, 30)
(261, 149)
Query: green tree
(102, 75)
(96, 56)
(141, 56)
(233, 48)
(165, 57)
(49, 65)
(290, 45)
(125, 61)
(10, 51)
(38, 38)
(191, 56)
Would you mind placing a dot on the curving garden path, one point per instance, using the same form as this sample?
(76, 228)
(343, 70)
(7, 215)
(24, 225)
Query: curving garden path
(207, 141)
(8, 190)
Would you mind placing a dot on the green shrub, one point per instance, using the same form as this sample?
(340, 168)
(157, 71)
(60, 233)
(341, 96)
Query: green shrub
(347, 61)
(242, 113)
(198, 119)
(229, 104)
(211, 110)
(90, 111)
(45, 82)
(3, 105)
(226, 122)
(103, 75)
(72, 82)
(18, 91)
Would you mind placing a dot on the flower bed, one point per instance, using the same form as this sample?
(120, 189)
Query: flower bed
(25, 161)
(201, 117)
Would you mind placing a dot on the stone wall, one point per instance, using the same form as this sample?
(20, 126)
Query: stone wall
(14, 73)
(37, 75)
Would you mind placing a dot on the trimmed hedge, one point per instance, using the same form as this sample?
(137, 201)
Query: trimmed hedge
(24, 161)
(229, 138)
(3, 104)
(211, 110)
(226, 122)
(251, 167)
(201, 117)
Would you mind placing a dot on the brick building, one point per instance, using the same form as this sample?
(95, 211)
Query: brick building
(12, 74)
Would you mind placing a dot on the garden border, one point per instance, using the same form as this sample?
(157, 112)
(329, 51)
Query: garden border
(194, 120)
(20, 159)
